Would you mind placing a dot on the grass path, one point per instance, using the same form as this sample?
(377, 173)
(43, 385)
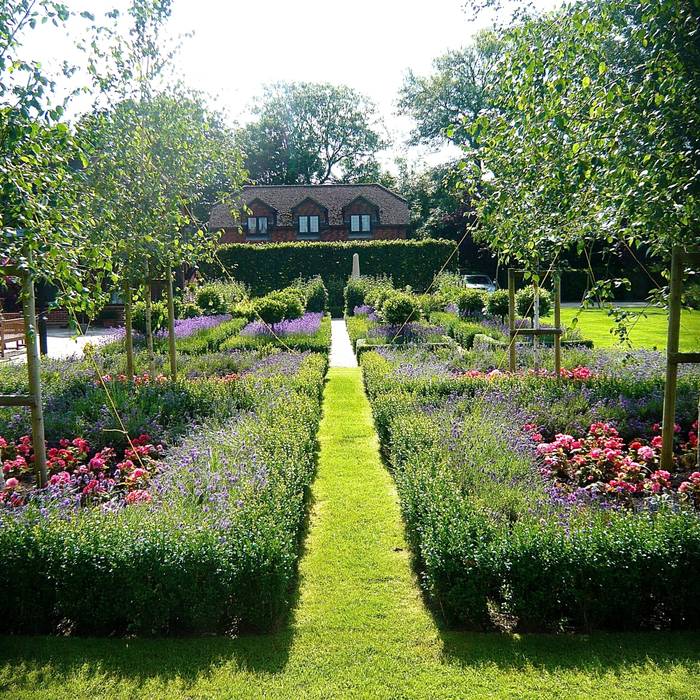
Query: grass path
(360, 628)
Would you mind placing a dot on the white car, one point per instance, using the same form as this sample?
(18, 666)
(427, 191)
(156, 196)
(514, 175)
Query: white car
(481, 282)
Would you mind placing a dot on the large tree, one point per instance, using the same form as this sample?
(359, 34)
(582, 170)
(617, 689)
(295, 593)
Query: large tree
(593, 133)
(457, 90)
(311, 133)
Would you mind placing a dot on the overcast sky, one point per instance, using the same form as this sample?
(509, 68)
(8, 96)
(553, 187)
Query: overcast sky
(237, 47)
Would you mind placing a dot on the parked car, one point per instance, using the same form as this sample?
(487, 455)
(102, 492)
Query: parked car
(481, 282)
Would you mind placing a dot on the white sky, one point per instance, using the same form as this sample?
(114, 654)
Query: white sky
(237, 47)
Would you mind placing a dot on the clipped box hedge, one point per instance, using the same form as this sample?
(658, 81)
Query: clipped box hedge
(276, 265)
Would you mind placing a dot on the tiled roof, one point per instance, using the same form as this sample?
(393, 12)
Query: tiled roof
(393, 209)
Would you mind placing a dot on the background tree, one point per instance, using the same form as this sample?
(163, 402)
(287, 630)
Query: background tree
(311, 133)
(457, 90)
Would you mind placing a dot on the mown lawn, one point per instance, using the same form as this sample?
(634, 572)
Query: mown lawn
(647, 331)
(360, 628)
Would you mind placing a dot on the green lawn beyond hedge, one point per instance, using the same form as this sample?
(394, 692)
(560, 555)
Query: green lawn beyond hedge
(360, 629)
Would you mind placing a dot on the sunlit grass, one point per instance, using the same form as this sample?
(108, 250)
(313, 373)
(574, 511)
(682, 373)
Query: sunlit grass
(360, 628)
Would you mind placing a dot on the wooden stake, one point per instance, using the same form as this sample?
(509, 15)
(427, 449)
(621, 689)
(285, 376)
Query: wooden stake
(171, 323)
(557, 324)
(511, 318)
(129, 335)
(674, 324)
(149, 328)
(34, 371)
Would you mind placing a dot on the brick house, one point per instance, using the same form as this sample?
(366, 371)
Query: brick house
(273, 213)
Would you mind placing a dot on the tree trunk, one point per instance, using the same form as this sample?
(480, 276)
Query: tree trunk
(149, 329)
(171, 323)
(34, 371)
(129, 335)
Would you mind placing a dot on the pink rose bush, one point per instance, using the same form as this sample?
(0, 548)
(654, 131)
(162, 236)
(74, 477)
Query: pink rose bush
(602, 463)
(75, 469)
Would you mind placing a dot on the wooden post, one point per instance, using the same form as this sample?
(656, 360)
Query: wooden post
(129, 332)
(149, 328)
(674, 324)
(557, 324)
(34, 371)
(535, 322)
(511, 318)
(171, 322)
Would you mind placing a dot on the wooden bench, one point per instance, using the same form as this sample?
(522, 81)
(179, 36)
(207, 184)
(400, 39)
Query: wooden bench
(11, 331)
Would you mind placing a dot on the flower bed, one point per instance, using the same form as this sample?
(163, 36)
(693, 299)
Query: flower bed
(311, 333)
(185, 327)
(538, 503)
(200, 535)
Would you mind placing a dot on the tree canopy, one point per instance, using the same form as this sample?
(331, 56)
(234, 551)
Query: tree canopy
(592, 134)
(311, 133)
(457, 90)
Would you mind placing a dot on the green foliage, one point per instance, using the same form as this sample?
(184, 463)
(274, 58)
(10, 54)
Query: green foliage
(464, 332)
(177, 568)
(187, 309)
(471, 302)
(691, 295)
(525, 302)
(278, 306)
(589, 139)
(399, 308)
(210, 302)
(497, 304)
(159, 316)
(210, 339)
(311, 133)
(449, 285)
(358, 290)
(315, 293)
(268, 267)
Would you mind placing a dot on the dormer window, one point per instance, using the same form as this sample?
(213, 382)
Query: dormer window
(360, 223)
(257, 226)
(309, 225)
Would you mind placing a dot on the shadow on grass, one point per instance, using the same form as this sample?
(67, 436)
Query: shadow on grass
(597, 652)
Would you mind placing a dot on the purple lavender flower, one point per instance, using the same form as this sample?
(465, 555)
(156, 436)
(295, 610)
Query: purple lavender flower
(308, 324)
(185, 327)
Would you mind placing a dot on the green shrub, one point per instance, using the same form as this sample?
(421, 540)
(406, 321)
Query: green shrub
(315, 292)
(210, 301)
(449, 285)
(210, 340)
(297, 293)
(271, 266)
(366, 290)
(399, 308)
(464, 331)
(471, 302)
(497, 304)
(188, 310)
(691, 294)
(525, 302)
(244, 309)
(278, 306)
(159, 316)
(429, 303)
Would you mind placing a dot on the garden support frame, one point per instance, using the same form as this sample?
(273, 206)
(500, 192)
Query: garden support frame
(557, 331)
(679, 259)
(34, 398)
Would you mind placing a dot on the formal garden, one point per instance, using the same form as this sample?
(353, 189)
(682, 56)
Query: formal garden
(335, 468)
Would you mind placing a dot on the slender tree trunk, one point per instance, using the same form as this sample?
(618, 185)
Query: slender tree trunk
(149, 328)
(171, 323)
(34, 371)
(129, 335)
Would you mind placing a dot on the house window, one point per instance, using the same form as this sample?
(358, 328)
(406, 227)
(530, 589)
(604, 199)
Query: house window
(308, 225)
(257, 226)
(360, 223)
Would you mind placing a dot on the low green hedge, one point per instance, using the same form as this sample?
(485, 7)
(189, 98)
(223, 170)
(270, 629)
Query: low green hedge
(275, 265)
(464, 331)
(215, 551)
(494, 547)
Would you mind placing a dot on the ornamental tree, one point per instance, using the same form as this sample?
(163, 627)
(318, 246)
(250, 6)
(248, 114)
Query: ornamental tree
(592, 134)
(153, 152)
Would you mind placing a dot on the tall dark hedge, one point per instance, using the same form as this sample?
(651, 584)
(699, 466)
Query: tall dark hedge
(265, 267)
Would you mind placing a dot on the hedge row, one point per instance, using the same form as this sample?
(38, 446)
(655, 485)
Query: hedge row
(276, 265)
(214, 551)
